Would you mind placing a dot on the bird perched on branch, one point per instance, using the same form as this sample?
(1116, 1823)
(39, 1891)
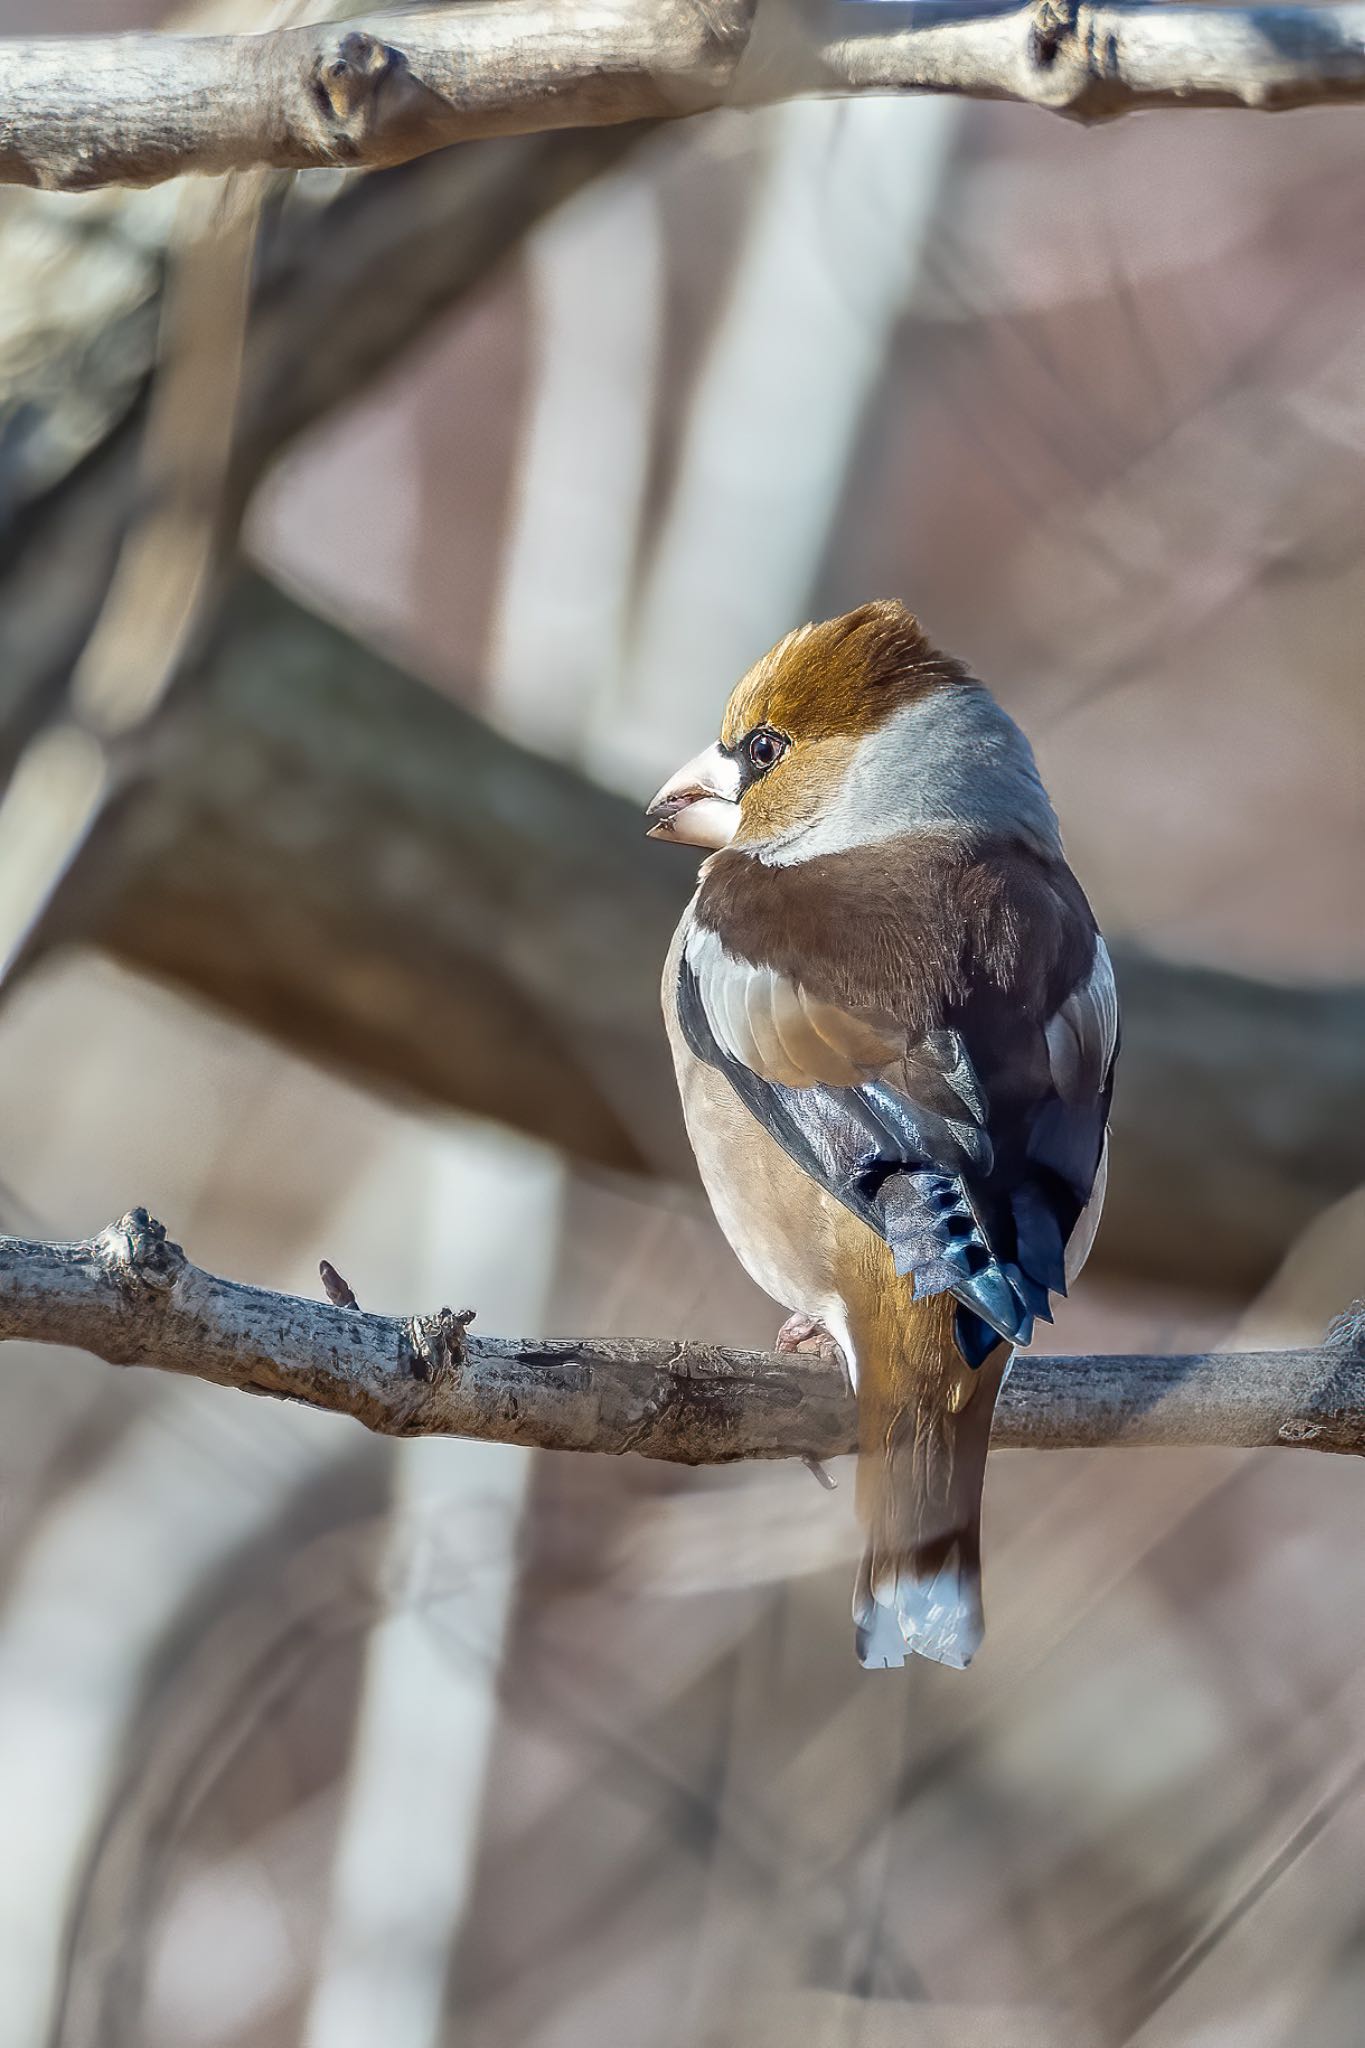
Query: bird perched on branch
(894, 1025)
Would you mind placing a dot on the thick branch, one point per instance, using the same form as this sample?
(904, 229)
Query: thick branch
(130, 1296)
(81, 111)
(94, 110)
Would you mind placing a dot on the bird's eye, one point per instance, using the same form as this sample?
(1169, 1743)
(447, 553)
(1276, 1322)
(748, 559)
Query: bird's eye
(766, 747)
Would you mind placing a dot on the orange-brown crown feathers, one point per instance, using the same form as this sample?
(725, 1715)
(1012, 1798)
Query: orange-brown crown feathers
(840, 678)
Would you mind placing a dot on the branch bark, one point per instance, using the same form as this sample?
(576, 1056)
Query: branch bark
(132, 1297)
(94, 110)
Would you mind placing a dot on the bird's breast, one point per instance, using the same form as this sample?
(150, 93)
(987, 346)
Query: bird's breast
(791, 1237)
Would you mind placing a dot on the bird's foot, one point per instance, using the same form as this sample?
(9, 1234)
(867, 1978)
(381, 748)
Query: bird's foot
(810, 1339)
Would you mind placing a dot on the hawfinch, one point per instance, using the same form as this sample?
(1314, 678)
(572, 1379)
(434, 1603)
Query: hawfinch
(894, 1024)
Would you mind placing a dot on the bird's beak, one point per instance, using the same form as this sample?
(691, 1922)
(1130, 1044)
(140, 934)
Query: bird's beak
(699, 806)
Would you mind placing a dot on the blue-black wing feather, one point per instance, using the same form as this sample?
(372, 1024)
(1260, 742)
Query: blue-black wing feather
(975, 1172)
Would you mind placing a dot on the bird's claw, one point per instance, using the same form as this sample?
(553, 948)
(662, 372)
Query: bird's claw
(804, 1336)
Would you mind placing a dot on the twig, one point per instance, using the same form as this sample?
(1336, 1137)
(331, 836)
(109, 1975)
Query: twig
(337, 1290)
(133, 1298)
(76, 112)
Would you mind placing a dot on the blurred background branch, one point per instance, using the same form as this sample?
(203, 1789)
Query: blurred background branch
(166, 561)
(344, 280)
(131, 1297)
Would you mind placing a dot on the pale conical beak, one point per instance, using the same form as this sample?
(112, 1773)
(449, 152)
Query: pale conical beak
(699, 806)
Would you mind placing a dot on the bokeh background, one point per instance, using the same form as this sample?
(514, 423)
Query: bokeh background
(393, 557)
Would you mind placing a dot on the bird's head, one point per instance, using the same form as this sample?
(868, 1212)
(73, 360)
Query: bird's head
(819, 741)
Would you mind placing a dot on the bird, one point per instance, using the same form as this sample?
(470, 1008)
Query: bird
(894, 1024)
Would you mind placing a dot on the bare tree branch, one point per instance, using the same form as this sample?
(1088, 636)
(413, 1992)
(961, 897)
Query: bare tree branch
(130, 1296)
(76, 112)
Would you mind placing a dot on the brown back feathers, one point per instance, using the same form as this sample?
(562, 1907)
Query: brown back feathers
(908, 925)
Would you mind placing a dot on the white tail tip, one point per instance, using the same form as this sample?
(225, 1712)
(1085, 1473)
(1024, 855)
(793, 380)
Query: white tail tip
(938, 1618)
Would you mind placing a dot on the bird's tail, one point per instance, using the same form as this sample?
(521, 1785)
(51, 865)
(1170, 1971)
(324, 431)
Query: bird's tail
(924, 1426)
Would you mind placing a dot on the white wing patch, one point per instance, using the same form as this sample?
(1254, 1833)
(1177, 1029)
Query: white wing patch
(1083, 1035)
(1088, 1222)
(782, 1033)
